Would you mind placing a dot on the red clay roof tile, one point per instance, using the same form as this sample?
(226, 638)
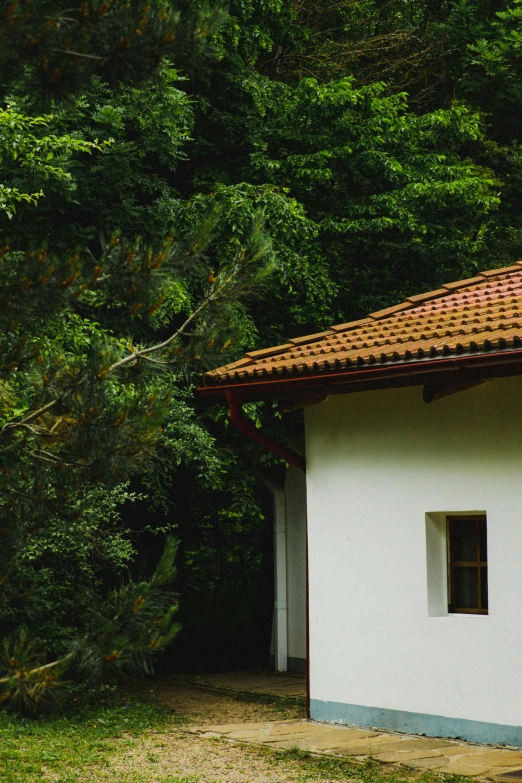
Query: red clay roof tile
(469, 316)
(425, 297)
(349, 325)
(267, 351)
(307, 338)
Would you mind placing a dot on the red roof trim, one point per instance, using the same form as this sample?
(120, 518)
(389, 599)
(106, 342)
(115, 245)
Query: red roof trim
(494, 364)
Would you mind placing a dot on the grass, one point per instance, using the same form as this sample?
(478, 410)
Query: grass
(129, 743)
(318, 767)
(63, 748)
(331, 768)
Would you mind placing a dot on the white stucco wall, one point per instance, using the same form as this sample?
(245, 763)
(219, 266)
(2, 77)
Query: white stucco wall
(377, 464)
(295, 490)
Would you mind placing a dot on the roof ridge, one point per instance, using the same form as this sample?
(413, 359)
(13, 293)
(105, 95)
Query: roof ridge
(413, 301)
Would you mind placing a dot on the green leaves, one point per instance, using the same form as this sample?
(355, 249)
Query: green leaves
(123, 637)
(21, 143)
(56, 49)
(107, 305)
(494, 70)
(134, 625)
(386, 188)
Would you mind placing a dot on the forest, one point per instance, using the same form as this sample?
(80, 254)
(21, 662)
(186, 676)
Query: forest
(180, 182)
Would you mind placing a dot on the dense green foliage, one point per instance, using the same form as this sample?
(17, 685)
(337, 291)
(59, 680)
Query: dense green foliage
(99, 321)
(159, 162)
(120, 637)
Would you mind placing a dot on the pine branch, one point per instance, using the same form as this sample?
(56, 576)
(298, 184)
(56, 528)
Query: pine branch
(12, 425)
(160, 346)
(40, 669)
(80, 54)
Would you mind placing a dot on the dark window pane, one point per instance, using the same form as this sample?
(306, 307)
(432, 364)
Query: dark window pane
(465, 541)
(483, 541)
(465, 588)
(484, 587)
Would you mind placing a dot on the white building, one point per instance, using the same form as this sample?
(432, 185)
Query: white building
(414, 510)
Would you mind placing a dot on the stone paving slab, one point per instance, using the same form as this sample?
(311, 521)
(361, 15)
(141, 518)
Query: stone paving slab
(453, 757)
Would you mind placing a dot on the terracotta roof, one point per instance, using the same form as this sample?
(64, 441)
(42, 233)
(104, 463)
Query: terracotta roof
(469, 317)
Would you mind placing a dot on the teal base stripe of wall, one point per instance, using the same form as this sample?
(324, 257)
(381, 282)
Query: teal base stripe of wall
(415, 723)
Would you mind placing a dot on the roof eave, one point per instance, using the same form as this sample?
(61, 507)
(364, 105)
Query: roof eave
(408, 373)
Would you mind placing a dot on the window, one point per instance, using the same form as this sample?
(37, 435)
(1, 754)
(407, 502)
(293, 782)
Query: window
(467, 565)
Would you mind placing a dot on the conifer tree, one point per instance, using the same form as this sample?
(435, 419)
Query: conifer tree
(88, 334)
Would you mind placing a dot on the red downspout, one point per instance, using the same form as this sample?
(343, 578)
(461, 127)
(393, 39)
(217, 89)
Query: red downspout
(253, 433)
(236, 417)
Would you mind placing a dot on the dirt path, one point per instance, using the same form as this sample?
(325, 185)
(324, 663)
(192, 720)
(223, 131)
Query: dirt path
(176, 756)
(202, 705)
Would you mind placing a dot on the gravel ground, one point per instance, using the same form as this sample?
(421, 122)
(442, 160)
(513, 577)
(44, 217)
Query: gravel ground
(204, 760)
(201, 705)
(176, 754)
